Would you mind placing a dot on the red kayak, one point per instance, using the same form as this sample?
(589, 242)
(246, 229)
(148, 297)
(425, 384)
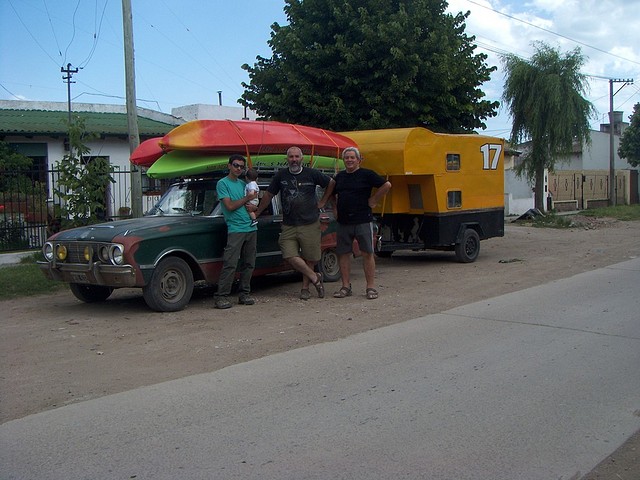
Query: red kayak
(147, 152)
(254, 137)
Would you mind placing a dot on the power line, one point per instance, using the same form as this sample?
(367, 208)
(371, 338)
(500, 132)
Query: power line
(552, 32)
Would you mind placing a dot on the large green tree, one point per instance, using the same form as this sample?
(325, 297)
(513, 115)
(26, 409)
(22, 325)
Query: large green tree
(357, 64)
(630, 140)
(544, 96)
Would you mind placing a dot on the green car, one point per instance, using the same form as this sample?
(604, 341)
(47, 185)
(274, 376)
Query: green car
(177, 243)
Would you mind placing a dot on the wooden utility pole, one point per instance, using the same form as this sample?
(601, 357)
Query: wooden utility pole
(67, 78)
(132, 113)
(612, 165)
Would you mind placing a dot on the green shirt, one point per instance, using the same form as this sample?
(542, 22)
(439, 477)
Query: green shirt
(238, 221)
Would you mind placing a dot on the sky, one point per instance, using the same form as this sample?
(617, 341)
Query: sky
(187, 51)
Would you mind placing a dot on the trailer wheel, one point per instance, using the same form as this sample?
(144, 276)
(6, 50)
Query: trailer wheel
(329, 266)
(469, 247)
(170, 287)
(90, 293)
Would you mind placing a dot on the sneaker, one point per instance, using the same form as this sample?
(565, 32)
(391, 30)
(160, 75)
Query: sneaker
(254, 223)
(223, 303)
(246, 300)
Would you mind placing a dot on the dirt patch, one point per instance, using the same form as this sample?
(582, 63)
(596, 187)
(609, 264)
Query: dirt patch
(55, 350)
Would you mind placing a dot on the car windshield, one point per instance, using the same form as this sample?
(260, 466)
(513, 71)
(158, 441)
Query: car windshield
(196, 199)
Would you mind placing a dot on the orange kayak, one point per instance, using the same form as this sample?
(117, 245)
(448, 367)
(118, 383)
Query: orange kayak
(254, 137)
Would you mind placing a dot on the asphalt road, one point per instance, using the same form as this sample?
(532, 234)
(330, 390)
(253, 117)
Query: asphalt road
(538, 384)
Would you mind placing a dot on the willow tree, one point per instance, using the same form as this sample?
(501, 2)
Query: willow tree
(358, 64)
(545, 99)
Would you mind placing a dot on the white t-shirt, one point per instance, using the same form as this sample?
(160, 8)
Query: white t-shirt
(252, 186)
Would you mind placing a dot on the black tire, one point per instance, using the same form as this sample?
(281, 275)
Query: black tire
(90, 293)
(329, 266)
(384, 254)
(469, 247)
(170, 287)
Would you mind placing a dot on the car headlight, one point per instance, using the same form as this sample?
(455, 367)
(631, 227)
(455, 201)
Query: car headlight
(117, 254)
(47, 251)
(61, 252)
(103, 253)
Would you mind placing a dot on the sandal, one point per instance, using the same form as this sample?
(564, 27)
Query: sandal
(319, 286)
(343, 292)
(372, 294)
(305, 294)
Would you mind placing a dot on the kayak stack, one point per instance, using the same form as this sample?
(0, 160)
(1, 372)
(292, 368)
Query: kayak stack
(202, 146)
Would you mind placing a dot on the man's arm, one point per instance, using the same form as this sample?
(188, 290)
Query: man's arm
(232, 205)
(380, 192)
(327, 193)
(264, 202)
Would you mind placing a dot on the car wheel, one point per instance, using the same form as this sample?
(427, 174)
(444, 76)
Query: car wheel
(90, 293)
(170, 287)
(468, 249)
(329, 266)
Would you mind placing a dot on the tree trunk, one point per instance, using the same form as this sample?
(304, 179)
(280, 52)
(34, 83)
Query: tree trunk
(540, 194)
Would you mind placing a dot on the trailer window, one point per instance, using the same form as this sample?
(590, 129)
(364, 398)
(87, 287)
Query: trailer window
(453, 161)
(454, 199)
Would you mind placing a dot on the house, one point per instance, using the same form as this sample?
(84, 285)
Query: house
(581, 179)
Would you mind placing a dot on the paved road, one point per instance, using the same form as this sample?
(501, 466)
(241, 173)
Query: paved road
(539, 384)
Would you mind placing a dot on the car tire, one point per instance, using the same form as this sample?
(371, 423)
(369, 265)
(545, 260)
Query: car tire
(170, 287)
(469, 247)
(90, 293)
(329, 266)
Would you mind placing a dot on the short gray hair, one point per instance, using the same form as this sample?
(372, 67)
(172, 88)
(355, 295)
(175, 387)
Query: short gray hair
(352, 149)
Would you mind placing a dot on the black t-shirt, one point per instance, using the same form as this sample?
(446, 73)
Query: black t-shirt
(298, 194)
(353, 191)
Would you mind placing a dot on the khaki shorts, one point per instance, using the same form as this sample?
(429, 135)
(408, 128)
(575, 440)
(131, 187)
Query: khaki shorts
(301, 241)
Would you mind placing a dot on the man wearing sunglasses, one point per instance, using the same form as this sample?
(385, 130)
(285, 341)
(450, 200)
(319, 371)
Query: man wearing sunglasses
(241, 235)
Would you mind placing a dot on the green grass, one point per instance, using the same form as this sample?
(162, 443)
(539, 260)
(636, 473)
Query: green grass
(26, 279)
(553, 220)
(619, 212)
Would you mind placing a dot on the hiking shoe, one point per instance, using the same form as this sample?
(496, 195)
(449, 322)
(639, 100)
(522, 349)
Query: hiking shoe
(305, 294)
(246, 300)
(223, 303)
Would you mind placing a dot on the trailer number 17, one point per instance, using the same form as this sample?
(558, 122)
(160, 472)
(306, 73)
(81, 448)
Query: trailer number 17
(491, 155)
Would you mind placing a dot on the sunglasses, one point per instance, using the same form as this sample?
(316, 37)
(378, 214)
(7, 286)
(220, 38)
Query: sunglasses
(237, 165)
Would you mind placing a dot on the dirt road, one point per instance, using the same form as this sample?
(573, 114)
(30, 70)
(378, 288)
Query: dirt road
(55, 350)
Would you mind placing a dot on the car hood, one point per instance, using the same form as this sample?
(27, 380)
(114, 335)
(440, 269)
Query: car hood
(106, 232)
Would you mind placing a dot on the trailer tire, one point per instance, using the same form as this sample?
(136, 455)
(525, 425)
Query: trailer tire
(469, 247)
(170, 287)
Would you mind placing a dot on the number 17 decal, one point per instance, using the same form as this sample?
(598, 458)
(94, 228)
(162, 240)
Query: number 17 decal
(491, 155)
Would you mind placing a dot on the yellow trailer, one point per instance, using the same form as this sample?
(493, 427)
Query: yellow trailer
(447, 190)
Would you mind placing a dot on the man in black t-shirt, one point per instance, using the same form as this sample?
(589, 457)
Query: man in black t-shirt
(300, 237)
(354, 202)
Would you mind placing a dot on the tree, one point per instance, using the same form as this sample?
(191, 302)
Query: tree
(545, 99)
(630, 140)
(83, 180)
(359, 64)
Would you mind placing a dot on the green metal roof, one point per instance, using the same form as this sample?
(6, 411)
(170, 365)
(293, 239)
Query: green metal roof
(45, 122)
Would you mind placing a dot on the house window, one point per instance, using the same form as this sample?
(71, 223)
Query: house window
(453, 161)
(454, 199)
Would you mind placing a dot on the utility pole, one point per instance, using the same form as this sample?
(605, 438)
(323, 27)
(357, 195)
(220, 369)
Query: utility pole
(132, 113)
(67, 78)
(612, 167)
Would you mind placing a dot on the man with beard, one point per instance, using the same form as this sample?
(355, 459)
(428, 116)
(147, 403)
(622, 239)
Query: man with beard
(300, 237)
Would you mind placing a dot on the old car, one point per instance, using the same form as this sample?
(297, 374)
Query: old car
(177, 243)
